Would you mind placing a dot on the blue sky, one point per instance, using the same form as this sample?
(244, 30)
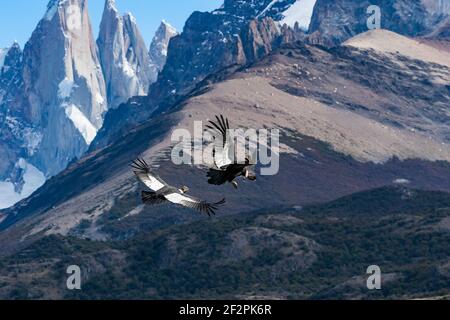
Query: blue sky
(18, 18)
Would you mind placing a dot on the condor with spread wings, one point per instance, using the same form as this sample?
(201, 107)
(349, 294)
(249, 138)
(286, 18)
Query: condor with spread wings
(225, 155)
(163, 193)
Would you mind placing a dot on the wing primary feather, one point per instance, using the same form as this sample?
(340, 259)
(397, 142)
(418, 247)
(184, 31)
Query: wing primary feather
(140, 165)
(216, 126)
(219, 122)
(224, 124)
(203, 206)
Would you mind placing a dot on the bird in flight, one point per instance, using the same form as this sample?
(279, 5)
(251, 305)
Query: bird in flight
(161, 192)
(224, 153)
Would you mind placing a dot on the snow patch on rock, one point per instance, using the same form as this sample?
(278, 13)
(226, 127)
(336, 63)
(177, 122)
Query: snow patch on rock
(33, 180)
(301, 12)
(99, 98)
(81, 122)
(266, 9)
(127, 69)
(65, 88)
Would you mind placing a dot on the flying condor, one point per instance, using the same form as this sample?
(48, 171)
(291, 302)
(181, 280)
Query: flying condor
(227, 168)
(163, 193)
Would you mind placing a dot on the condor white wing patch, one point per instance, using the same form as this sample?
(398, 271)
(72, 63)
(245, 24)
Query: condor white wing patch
(179, 198)
(150, 181)
(142, 171)
(193, 203)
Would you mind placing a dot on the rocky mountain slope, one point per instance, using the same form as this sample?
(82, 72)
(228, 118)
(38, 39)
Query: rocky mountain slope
(336, 21)
(398, 45)
(360, 117)
(319, 252)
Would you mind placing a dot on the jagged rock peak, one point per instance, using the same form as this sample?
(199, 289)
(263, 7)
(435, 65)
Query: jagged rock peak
(111, 5)
(67, 33)
(124, 57)
(53, 99)
(10, 58)
(64, 90)
(168, 27)
(159, 47)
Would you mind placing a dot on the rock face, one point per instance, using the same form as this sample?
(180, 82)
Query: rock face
(57, 99)
(124, 57)
(250, 9)
(12, 133)
(237, 33)
(3, 52)
(10, 67)
(335, 21)
(442, 31)
(159, 47)
(67, 97)
(259, 38)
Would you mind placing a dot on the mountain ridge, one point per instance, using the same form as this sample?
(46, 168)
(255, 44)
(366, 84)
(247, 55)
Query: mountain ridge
(331, 131)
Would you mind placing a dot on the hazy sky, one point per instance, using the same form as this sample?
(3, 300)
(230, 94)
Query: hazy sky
(18, 18)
